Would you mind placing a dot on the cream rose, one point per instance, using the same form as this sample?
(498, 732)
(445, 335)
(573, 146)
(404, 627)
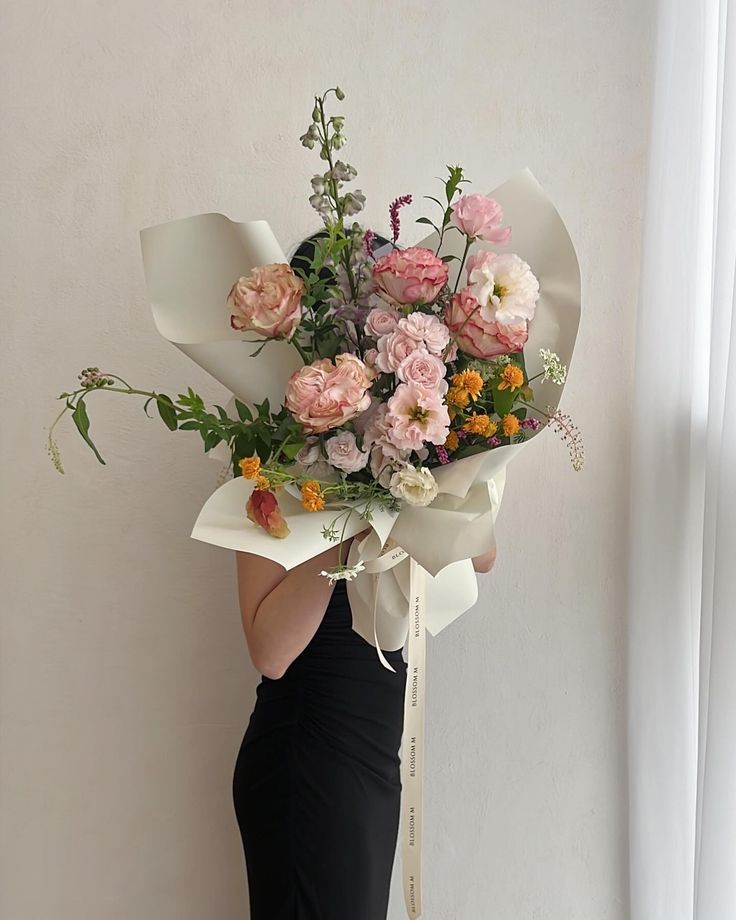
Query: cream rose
(416, 487)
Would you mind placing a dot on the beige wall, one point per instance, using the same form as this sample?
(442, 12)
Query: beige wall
(125, 683)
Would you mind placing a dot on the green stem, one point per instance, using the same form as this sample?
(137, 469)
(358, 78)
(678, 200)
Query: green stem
(468, 243)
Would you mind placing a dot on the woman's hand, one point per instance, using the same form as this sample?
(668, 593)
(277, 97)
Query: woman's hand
(485, 562)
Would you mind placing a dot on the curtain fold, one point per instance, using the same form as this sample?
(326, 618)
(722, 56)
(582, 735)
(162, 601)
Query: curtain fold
(682, 521)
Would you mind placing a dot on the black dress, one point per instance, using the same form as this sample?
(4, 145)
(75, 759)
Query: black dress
(316, 786)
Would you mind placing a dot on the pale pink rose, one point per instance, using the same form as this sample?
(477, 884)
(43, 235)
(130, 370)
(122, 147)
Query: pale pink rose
(427, 371)
(416, 415)
(478, 337)
(267, 302)
(344, 454)
(384, 464)
(310, 453)
(479, 216)
(381, 321)
(323, 395)
(370, 357)
(427, 330)
(504, 286)
(393, 348)
(413, 275)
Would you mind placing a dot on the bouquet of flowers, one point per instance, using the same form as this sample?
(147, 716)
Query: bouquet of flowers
(374, 386)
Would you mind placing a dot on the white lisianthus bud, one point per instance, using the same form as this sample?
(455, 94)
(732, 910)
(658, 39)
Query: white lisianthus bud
(416, 487)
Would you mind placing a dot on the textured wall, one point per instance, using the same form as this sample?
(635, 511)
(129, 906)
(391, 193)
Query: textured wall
(126, 684)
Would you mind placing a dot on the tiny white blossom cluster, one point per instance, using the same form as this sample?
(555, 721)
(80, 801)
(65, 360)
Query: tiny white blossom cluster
(554, 369)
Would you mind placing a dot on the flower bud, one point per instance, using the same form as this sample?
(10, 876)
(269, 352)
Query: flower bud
(339, 93)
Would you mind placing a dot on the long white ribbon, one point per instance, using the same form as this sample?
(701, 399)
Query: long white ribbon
(412, 751)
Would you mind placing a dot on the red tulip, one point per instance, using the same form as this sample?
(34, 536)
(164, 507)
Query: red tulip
(263, 509)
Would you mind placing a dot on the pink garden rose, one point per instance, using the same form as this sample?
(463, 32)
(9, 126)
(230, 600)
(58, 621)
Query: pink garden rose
(427, 330)
(416, 415)
(480, 217)
(344, 454)
(323, 395)
(426, 371)
(393, 348)
(504, 286)
(413, 275)
(267, 302)
(381, 321)
(478, 337)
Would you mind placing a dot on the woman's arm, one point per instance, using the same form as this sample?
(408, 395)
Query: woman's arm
(281, 610)
(485, 562)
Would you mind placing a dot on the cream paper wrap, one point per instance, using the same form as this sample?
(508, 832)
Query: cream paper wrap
(419, 572)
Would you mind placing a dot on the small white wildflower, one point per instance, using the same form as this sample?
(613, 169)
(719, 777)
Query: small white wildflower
(554, 369)
(346, 572)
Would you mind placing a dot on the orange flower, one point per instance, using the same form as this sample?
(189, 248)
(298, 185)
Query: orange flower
(263, 482)
(456, 396)
(480, 424)
(250, 467)
(312, 497)
(510, 425)
(469, 381)
(511, 378)
(452, 442)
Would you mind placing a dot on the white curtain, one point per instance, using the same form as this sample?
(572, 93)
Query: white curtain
(682, 524)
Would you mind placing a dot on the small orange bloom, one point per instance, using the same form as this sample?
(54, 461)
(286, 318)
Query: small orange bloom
(263, 482)
(511, 378)
(510, 425)
(250, 467)
(456, 396)
(452, 442)
(470, 381)
(312, 497)
(480, 424)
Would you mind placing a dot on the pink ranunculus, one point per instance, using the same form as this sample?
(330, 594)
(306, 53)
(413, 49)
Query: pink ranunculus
(380, 321)
(427, 371)
(344, 454)
(426, 329)
(478, 337)
(504, 286)
(323, 395)
(267, 302)
(480, 216)
(413, 275)
(393, 348)
(416, 415)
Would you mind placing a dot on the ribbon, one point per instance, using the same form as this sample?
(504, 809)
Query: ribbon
(412, 748)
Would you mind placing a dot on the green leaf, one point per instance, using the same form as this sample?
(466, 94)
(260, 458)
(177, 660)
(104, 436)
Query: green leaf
(503, 401)
(81, 420)
(244, 412)
(167, 411)
(426, 220)
(189, 426)
(291, 450)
